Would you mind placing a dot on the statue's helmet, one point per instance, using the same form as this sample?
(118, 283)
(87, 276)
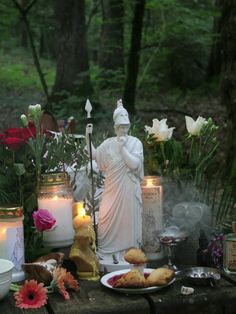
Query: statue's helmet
(120, 115)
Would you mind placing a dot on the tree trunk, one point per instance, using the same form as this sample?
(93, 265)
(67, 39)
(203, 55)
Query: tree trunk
(215, 59)
(134, 56)
(72, 71)
(228, 85)
(112, 40)
(24, 10)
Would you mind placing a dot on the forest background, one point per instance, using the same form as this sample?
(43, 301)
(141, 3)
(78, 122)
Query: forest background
(164, 58)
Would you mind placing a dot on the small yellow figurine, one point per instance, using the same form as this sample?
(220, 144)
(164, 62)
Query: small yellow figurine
(83, 251)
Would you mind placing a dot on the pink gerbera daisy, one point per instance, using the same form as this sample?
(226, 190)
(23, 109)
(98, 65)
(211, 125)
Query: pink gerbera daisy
(62, 279)
(32, 295)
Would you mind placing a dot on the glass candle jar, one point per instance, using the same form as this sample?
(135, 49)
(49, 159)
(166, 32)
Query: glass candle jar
(152, 215)
(55, 195)
(12, 238)
(229, 261)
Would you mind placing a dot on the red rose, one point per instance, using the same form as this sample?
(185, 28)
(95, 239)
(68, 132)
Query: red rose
(43, 220)
(28, 132)
(13, 132)
(31, 124)
(13, 143)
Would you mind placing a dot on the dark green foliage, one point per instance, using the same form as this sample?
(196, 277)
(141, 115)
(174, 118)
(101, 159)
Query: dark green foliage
(174, 54)
(63, 152)
(177, 39)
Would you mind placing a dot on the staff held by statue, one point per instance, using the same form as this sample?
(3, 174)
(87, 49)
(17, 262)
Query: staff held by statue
(89, 130)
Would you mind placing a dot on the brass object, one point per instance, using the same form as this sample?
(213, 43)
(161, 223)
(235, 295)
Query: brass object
(10, 211)
(54, 178)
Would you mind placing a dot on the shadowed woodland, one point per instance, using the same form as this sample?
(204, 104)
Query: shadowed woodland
(164, 58)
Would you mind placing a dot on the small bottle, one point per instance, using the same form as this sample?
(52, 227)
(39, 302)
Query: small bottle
(202, 251)
(230, 251)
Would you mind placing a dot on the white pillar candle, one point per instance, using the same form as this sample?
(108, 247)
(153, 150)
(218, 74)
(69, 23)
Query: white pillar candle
(152, 210)
(2, 241)
(61, 209)
(12, 239)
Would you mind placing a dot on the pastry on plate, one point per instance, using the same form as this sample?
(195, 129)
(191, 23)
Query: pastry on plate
(132, 279)
(159, 277)
(135, 256)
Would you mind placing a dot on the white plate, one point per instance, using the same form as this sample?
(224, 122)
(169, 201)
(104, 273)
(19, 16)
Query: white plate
(105, 278)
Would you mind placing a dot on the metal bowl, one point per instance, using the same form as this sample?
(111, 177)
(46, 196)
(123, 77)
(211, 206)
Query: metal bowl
(201, 275)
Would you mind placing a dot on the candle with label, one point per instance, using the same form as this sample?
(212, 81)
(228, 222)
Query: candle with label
(152, 214)
(55, 195)
(12, 239)
(230, 251)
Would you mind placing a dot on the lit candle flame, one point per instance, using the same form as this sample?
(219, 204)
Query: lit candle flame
(3, 230)
(81, 211)
(149, 183)
(78, 209)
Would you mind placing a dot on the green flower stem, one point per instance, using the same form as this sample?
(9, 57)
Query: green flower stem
(14, 287)
(37, 148)
(13, 157)
(49, 289)
(21, 192)
(163, 155)
(191, 150)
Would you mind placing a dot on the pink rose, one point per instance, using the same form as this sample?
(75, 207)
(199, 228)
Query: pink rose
(43, 220)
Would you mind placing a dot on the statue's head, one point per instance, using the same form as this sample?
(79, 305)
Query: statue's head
(121, 120)
(120, 115)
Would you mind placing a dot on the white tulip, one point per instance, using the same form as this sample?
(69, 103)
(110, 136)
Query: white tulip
(194, 127)
(159, 130)
(33, 108)
(35, 112)
(24, 120)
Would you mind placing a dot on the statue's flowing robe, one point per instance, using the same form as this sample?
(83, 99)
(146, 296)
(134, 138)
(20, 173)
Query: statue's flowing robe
(120, 212)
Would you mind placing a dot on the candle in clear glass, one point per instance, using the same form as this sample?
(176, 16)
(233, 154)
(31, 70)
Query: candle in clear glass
(12, 238)
(55, 195)
(152, 211)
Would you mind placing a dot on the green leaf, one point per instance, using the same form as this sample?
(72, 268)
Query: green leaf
(31, 203)
(19, 169)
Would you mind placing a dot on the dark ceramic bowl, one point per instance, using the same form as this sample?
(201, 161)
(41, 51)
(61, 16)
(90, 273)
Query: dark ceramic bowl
(39, 272)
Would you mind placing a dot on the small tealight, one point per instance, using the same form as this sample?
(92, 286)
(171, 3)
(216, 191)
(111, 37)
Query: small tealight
(186, 290)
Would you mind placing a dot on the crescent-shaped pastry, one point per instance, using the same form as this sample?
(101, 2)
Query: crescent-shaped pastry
(159, 277)
(135, 256)
(132, 279)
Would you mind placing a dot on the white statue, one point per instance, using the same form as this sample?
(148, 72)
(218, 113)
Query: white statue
(120, 211)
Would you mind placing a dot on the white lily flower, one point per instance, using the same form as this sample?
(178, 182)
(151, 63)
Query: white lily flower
(194, 127)
(160, 130)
